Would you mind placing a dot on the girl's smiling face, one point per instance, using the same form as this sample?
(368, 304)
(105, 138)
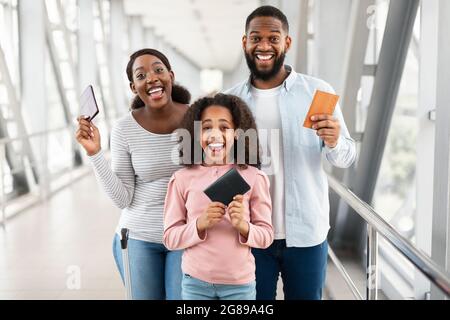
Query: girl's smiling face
(217, 134)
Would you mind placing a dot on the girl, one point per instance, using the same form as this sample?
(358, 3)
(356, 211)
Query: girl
(217, 262)
(141, 151)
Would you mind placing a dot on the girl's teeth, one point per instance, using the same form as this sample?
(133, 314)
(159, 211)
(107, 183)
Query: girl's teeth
(216, 147)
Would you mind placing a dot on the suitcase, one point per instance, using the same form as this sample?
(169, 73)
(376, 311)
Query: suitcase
(126, 262)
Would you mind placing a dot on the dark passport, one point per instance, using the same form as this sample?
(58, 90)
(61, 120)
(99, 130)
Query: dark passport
(226, 187)
(88, 103)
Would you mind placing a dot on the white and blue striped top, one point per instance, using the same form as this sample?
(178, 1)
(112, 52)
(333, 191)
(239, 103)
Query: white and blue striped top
(141, 166)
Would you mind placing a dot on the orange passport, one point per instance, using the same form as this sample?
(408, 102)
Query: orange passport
(323, 103)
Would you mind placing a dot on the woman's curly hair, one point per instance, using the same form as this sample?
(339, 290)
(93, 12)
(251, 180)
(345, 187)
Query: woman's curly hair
(242, 118)
(179, 93)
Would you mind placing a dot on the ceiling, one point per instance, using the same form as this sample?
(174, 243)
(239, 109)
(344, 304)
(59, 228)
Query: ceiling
(208, 32)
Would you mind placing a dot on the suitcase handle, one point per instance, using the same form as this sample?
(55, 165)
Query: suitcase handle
(124, 238)
(124, 232)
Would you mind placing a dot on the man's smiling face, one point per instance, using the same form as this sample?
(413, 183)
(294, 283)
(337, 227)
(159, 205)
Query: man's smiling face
(265, 45)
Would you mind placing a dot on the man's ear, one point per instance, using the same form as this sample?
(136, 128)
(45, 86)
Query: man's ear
(288, 43)
(244, 41)
(133, 88)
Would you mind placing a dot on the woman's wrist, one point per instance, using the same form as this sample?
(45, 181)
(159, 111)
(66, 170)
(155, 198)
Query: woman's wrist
(91, 154)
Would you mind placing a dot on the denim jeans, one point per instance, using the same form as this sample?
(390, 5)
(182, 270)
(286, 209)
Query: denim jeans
(155, 271)
(196, 289)
(302, 270)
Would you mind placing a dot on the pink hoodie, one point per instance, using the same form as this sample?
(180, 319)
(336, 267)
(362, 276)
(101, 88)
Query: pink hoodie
(223, 256)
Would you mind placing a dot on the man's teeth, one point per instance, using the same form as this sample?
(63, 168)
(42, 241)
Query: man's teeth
(264, 57)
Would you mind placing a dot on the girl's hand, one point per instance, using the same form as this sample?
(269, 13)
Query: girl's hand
(213, 214)
(88, 136)
(236, 212)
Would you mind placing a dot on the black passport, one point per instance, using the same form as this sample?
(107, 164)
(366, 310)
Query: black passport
(226, 187)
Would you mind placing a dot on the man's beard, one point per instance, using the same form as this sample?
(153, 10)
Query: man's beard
(268, 74)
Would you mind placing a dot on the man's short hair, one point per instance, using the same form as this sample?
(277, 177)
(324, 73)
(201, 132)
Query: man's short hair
(268, 11)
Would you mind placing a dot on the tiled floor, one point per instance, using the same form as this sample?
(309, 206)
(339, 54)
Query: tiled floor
(61, 249)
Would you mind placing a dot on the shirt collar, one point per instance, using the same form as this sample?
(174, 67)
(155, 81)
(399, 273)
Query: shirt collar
(287, 84)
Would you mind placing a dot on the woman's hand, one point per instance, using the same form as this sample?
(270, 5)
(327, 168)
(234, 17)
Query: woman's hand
(236, 212)
(213, 214)
(88, 136)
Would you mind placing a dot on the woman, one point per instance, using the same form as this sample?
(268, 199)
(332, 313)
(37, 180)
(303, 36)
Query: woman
(144, 156)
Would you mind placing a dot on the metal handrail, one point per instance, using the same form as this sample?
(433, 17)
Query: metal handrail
(3, 143)
(33, 135)
(423, 263)
(344, 274)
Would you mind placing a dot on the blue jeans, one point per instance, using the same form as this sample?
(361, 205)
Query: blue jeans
(196, 289)
(302, 270)
(155, 271)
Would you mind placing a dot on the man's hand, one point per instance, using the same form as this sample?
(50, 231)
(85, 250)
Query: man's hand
(236, 212)
(212, 216)
(327, 128)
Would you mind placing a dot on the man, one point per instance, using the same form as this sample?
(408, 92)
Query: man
(280, 98)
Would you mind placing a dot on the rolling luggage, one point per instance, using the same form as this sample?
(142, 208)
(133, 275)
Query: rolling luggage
(125, 261)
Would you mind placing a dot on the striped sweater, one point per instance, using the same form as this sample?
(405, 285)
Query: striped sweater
(141, 166)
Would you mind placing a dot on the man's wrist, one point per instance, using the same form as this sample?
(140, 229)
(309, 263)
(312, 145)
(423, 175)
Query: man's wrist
(331, 146)
(335, 147)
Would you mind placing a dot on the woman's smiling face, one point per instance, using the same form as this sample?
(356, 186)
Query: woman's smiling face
(152, 81)
(217, 134)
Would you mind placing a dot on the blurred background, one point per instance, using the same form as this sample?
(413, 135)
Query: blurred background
(388, 60)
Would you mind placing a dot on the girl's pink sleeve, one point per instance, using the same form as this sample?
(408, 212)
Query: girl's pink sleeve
(177, 233)
(260, 233)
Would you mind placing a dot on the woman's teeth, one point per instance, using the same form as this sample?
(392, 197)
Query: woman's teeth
(155, 92)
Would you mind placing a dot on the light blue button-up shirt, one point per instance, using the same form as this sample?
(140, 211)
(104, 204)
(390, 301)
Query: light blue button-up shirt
(305, 183)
